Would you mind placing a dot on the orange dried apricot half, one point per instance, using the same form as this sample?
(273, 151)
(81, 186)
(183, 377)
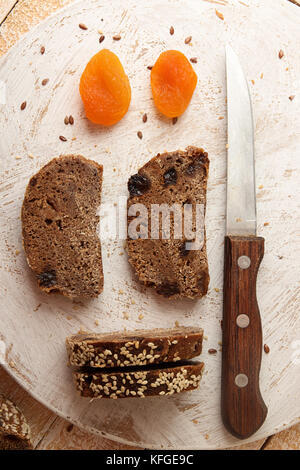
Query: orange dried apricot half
(173, 81)
(105, 89)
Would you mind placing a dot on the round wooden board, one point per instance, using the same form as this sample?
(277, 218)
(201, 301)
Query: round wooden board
(33, 326)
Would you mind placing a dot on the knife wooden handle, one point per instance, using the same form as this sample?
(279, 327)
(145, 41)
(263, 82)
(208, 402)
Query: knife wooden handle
(243, 409)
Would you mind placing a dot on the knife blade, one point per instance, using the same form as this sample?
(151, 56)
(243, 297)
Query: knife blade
(243, 409)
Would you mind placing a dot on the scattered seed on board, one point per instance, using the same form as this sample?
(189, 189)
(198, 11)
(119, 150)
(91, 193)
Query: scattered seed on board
(71, 120)
(66, 121)
(212, 351)
(140, 135)
(62, 138)
(280, 54)
(188, 40)
(174, 120)
(101, 39)
(171, 30)
(43, 50)
(82, 26)
(220, 15)
(45, 81)
(145, 117)
(23, 105)
(116, 37)
(194, 60)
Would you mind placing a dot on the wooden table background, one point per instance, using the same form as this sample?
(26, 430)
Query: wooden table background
(50, 432)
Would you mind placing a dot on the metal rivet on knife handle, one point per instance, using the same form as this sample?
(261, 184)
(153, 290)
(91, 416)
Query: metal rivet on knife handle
(243, 321)
(241, 380)
(244, 262)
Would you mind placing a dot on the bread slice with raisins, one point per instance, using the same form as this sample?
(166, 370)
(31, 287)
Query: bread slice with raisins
(136, 348)
(168, 264)
(14, 429)
(158, 380)
(59, 226)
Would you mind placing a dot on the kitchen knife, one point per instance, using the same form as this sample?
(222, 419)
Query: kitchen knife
(243, 409)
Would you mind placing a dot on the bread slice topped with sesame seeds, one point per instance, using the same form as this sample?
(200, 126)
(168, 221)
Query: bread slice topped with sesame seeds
(138, 364)
(164, 258)
(59, 225)
(139, 383)
(14, 429)
(137, 348)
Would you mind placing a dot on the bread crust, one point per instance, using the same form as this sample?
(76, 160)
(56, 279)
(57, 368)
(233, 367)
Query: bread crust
(14, 429)
(137, 348)
(59, 227)
(139, 383)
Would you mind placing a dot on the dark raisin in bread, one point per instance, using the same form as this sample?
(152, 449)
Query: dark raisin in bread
(136, 348)
(60, 227)
(166, 264)
(159, 380)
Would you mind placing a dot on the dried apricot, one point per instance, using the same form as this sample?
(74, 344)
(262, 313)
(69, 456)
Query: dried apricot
(105, 89)
(173, 81)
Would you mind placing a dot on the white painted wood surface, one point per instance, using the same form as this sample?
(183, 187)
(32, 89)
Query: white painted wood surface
(35, 339)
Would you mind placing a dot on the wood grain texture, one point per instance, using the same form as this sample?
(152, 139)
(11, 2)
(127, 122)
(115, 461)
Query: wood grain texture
(22, 23)
(243, 409)
(5, 8)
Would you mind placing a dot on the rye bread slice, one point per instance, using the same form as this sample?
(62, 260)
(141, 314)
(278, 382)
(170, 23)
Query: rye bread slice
(136, 348)
(171, 178)
(14, 429)
(139, 383)
(59, 223)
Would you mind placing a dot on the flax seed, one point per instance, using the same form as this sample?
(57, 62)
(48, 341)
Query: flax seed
(45, 81)
(140, 135)
(101, 39)
(171, 30)
(194, 60)
(116, 37)
(188, 40)
(82, 26)
(62, 138)
(145, 117)
(23, 105)
(71, 120)
(42, 50)
(280, 54)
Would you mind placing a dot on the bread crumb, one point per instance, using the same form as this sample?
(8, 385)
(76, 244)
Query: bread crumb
(217, 289)
(260, 186)
(253, 82)
(121, 292)
(205, 338)
(141, 316)
(125, 316)
(238, 219)
(97, 322)
(69, 317)
(262, 75)
(177, 324)
(266, 224)
(132, 302)
(30, 156)
(219, 15)
(220, 343)
(17, 252)
(37, 307)
(18, 157)
(195, 421)
(221, 117)
(206, 436)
